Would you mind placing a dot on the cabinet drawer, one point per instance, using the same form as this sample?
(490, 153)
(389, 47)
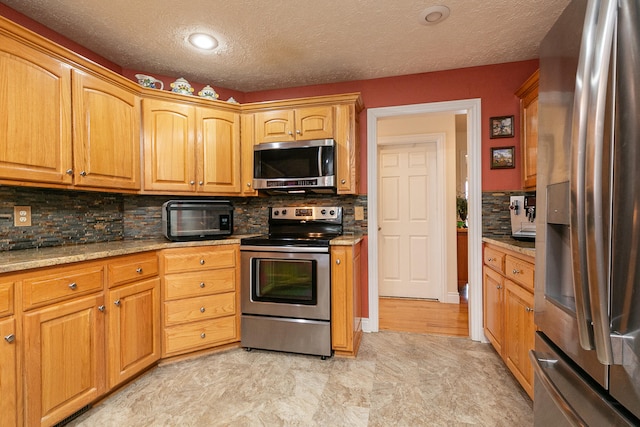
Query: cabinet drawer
(198, 259)
(61, 284)
(198, 335)
(133, 267)
(494, 259)
(186, 285)
(519, 271)
(6, 298)
(207, 307)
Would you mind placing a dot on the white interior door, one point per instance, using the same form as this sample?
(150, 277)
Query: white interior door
(410, 256)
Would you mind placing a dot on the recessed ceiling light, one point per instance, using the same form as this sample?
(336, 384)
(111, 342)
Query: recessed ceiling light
(203, 41)
(434, 15)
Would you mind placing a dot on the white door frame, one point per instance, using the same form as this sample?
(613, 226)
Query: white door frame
(439, 140)
(472, 107)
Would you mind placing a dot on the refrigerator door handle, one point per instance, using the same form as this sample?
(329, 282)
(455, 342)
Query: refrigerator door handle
(578, 158)
(597, 200)
(554, 393)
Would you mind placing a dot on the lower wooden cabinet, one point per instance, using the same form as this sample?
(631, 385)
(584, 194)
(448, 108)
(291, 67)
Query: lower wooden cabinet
(65, 354)
(200, 298)
(519, 333)
(508, 282)
(8, 373)
(346, 303)
(133, 329)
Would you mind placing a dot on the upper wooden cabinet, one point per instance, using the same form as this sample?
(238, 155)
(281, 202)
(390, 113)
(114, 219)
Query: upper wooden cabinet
(106, 134)
(528, 94)
(62, 126)
(190, 148)
(35, 115)
(323, 117)
(294, 124)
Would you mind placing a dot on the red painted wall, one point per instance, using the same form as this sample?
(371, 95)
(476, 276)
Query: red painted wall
(495, 85)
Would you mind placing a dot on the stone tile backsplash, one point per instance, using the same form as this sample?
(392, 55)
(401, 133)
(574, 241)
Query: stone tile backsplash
(62, 217)
(496, 220)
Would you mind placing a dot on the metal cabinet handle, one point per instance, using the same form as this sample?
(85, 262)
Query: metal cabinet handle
(290, 133)
(117, 303)
(201, 262)
(201, 182)
(338, 261)
(202, 309)
(516, 271)
(10, 338)
(343, 181)
(529, 309)
(490, 259)
(248, 184)
(298, 131)
(73, 286)
(202, 335)
(499, 287)
(83, 173)
(101, 308)
(202, 284)
(69, 171)
(139, 270)
(192, 182)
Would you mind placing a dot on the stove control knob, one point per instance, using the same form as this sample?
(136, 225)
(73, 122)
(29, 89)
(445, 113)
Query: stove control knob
(276, 213)
(284, 211)
(332, 212)
(323, 211)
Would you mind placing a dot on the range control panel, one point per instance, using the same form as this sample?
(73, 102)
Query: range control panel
(307, 213)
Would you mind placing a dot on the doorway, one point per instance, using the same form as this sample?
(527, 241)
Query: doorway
(471, 108)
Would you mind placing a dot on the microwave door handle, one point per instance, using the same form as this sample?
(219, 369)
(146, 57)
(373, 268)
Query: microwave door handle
(577, 203)
(597, 199)
(320, 161)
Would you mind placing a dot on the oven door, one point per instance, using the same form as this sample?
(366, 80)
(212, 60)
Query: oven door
(286, 284)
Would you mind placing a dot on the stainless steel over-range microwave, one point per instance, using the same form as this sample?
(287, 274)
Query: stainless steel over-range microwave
(197, 219)
(295, 166)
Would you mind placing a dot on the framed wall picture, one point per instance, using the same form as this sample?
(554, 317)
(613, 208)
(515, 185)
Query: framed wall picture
(503, 158)
(501, 127)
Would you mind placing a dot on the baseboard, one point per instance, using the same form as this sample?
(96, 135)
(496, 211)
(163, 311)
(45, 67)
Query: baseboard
(452, 298)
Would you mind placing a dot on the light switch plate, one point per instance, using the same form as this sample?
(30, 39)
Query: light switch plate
(359, 213)
(22, 216)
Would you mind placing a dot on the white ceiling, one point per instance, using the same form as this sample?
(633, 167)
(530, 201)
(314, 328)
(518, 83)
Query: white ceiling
(287, 43)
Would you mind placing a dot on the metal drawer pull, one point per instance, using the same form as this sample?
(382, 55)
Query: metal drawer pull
(10, 338)
(101, 308)
(490, 259)
(202, 335)
(117, 303)
(338, 261)
(529, 309)
(83, 173)
(202, 310)
(499, 287)
(516, 271)
(202, 284)
(73, 286)
(69, 171)
(201, 262)
(139, 270)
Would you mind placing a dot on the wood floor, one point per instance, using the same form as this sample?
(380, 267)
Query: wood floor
(425, 316)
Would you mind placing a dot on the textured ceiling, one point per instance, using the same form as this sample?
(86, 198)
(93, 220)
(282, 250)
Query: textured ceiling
(287, 43)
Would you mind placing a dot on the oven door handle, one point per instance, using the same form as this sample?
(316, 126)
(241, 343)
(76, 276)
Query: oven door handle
(290, 249)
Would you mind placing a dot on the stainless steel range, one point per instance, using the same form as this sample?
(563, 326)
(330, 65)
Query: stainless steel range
(286, 281)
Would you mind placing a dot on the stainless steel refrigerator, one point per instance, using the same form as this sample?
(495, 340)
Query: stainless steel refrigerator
(587, 296)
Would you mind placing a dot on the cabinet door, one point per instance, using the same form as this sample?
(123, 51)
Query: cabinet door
(169, 156)
(346, 327)
(106, 126)
(218, 151)
(347, 153)
(493, 289)
(247, 141)
(275, 126)
(35, 115)
(8, 374)
(133, 329)
(64, 350)
(519, 333)
(528, 94)
(314, 123)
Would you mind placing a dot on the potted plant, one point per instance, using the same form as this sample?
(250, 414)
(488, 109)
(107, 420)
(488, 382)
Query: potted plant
(461, 208)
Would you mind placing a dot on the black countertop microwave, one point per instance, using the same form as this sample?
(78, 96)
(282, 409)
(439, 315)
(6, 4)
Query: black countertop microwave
(295, 167)
(184, 220)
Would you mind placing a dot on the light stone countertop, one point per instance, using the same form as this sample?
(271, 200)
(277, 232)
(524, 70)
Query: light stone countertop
(524, 248)
(13, 261)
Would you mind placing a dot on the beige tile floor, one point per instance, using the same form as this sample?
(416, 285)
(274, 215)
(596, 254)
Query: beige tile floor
(398, 379)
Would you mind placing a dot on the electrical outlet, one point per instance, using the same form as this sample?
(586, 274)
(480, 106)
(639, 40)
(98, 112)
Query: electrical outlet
(359, 213)
(22, 216)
